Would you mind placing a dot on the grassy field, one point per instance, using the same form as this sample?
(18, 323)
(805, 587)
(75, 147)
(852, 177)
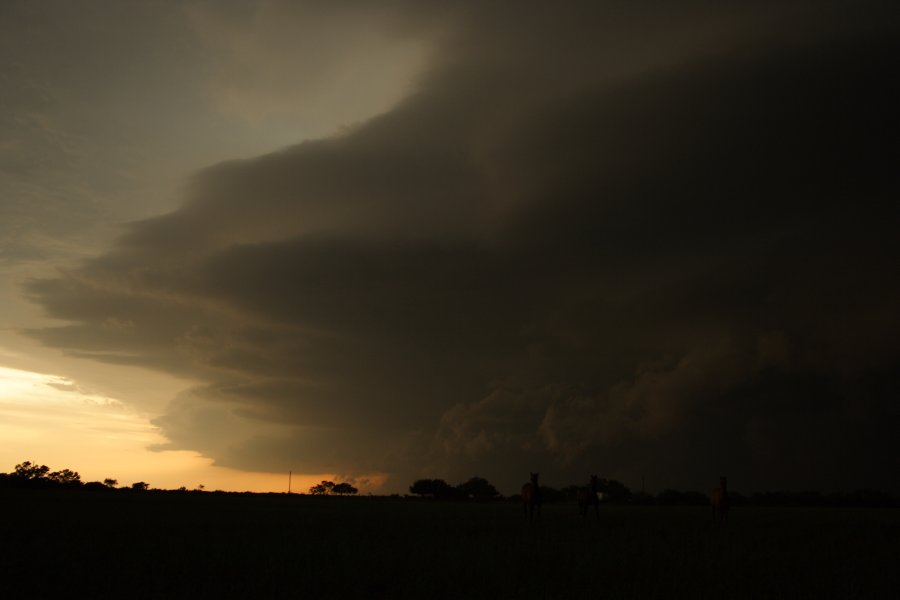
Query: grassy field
(257, 546)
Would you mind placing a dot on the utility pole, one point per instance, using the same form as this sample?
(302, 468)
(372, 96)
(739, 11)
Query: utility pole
(289, 481)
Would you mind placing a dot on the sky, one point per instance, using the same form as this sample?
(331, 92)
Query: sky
(384, 241)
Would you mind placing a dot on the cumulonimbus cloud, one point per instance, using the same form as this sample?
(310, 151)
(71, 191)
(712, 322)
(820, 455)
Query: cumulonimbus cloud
(563, 249)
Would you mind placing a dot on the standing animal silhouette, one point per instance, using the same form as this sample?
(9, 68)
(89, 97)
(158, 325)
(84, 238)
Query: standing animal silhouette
(588, 497)
(531, 498)
(718, 498)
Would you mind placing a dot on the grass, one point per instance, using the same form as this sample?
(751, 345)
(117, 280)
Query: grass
(275, 546)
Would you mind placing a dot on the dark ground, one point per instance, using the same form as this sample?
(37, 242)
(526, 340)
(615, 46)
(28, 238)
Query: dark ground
(207, 545)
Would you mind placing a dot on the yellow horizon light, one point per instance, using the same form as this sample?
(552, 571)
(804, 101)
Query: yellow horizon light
(50, 420)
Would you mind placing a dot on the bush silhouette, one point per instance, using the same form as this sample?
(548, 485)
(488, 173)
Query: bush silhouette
(478, 488)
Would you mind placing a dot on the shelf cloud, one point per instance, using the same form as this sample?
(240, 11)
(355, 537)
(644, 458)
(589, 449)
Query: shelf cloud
(590, 239)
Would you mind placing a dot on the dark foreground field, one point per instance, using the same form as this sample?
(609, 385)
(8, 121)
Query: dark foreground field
(256, 546)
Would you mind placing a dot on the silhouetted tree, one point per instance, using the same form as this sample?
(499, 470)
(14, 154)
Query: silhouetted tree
(443, 490)
(478, 488)
(31, 471)
(140, 486)
(344, 488)
(65, 477)
(615, 491)
(110, 482)
(322, 489)
(422, 487)
(437, 488)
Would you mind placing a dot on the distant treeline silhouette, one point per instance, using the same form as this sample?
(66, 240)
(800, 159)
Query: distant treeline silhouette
(36, 476)
(616, 493)
(32, 475)
(477, 488)
(328, 488)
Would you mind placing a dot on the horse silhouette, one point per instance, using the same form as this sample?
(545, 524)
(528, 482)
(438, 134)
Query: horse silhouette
(718, 499)
(531, 498)
(588, 496)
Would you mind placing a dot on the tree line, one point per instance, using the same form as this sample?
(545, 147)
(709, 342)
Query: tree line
(329, 488)
(29, 474)
(617, 493)
(477, 488)
(32, 475)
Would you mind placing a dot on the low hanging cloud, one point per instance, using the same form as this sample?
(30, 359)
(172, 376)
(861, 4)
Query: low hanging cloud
(590, 241)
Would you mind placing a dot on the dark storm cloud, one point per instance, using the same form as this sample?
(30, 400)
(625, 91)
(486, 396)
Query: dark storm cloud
(73, 79)
(593, 240)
